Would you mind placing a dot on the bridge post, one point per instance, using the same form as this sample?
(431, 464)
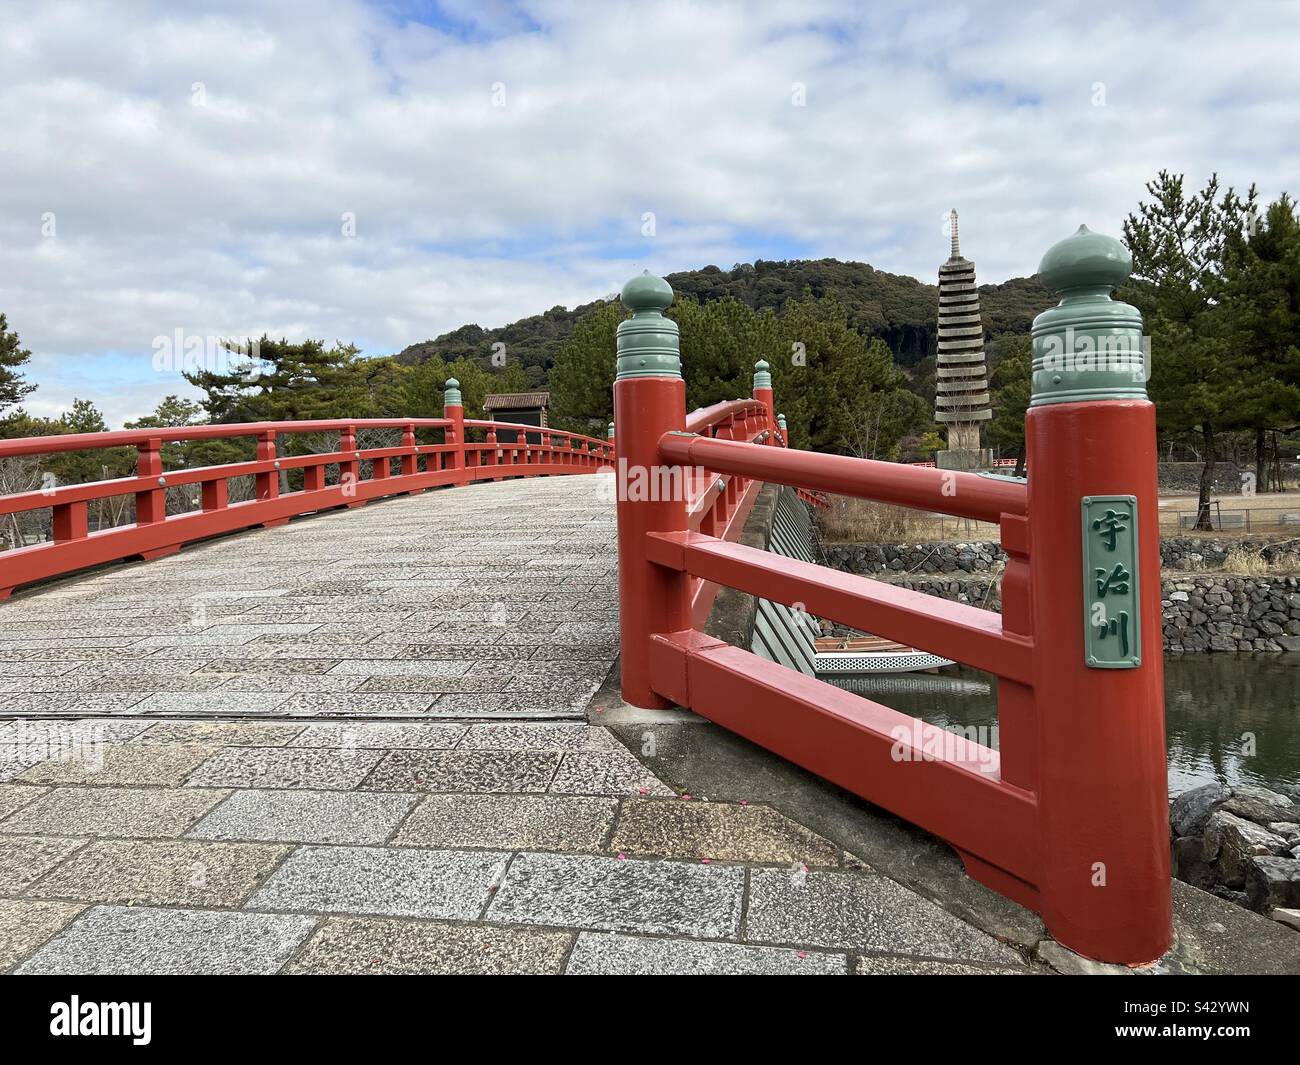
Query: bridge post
(785, 433)
(453, 407)
(649, 401)
(350, 467)
(151, 504)
(763, 395)
(267, 484)
(1094, 562)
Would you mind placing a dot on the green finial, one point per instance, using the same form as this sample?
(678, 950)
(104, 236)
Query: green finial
(762, 379)
(609, 434)
(649, 345)
(780, 422)
(451, 394)
(1088, 346)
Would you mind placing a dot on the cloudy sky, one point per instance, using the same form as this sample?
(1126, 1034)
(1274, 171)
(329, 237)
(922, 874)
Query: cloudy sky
(382, 172)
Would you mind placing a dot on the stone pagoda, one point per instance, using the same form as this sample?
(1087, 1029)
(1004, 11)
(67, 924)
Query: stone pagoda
(961, 401)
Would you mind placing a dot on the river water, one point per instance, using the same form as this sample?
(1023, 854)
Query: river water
(1234, 718)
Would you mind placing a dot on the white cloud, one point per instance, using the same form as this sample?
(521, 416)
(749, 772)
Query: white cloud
(223, 215)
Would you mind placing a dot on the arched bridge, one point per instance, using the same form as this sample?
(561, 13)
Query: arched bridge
(512, 600)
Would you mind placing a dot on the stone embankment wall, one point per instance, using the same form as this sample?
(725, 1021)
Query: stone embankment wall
(1203, 611)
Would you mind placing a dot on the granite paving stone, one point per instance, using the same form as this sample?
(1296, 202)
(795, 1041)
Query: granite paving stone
(52, 737)
(27, 923)
(609, 894)
(617, 772)
(152, 682)
(383, 881)
(220, 701)
(118, 812)
(377, 945)
(464, 771)
(353, 667)
(161, 872)
(671, 828)
(505, 709)
(381, 735)
(305, 816)
(283, 767)
(25, 859)
(860, 911)
(888, 965)
(126, 940)
(19, 669)
(286, 683)
(280, 667)
(607, 954)
(327, 704)
(510, 822)
(225, 733)
(121, 764)
(540, 736)
(431, 686)
(16, 796)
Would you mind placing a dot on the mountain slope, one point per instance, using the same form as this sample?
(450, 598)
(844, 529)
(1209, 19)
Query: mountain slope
(899, 309)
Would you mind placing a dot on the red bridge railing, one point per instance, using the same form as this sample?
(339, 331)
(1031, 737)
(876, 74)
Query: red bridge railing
(349, 476)
(1069, 815)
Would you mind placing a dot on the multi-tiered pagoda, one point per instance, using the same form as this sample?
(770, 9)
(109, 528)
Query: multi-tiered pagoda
(961, 401)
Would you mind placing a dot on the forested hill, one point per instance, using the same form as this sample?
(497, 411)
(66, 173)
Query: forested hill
(900, 310)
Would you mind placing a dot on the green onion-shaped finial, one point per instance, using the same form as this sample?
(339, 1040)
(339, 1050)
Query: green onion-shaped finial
(762, 379)
(451, 396)
(609, 434)
(1089, 346)
(648, 345)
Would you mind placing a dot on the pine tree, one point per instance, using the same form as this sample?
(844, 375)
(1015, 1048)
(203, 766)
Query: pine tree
(13, 356)
(1177, 242)
(1011, 393)
(582, 379)
(1259, 296)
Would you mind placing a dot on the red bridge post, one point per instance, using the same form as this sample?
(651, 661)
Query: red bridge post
(1094, 557)
(763, 395)
(453, 407)
(649, 400)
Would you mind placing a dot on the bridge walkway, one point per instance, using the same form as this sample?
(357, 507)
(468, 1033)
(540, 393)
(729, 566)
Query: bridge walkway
(317, 748)
(454, 603)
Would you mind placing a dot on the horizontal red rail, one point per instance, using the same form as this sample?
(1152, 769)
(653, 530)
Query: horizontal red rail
(966, 495)
(958, 631)
(950, 785)
(45, 445)
(539, 451)
(721, 414)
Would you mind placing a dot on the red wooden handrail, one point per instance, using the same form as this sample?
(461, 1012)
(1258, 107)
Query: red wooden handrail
(454, 462)
(727, 412)
(46, 445)
(966, 495)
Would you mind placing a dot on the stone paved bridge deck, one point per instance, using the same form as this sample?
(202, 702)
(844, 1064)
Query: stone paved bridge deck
(276, 752)
(491, 601)
(273, 752)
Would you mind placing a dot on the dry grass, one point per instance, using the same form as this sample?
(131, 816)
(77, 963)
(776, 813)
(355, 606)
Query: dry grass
(862, 521)
(1244, 562)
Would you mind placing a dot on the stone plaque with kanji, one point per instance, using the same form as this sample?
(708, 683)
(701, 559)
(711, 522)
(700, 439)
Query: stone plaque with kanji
(1111, 618)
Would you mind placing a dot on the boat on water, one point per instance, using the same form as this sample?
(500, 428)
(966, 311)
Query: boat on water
(857, 655)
